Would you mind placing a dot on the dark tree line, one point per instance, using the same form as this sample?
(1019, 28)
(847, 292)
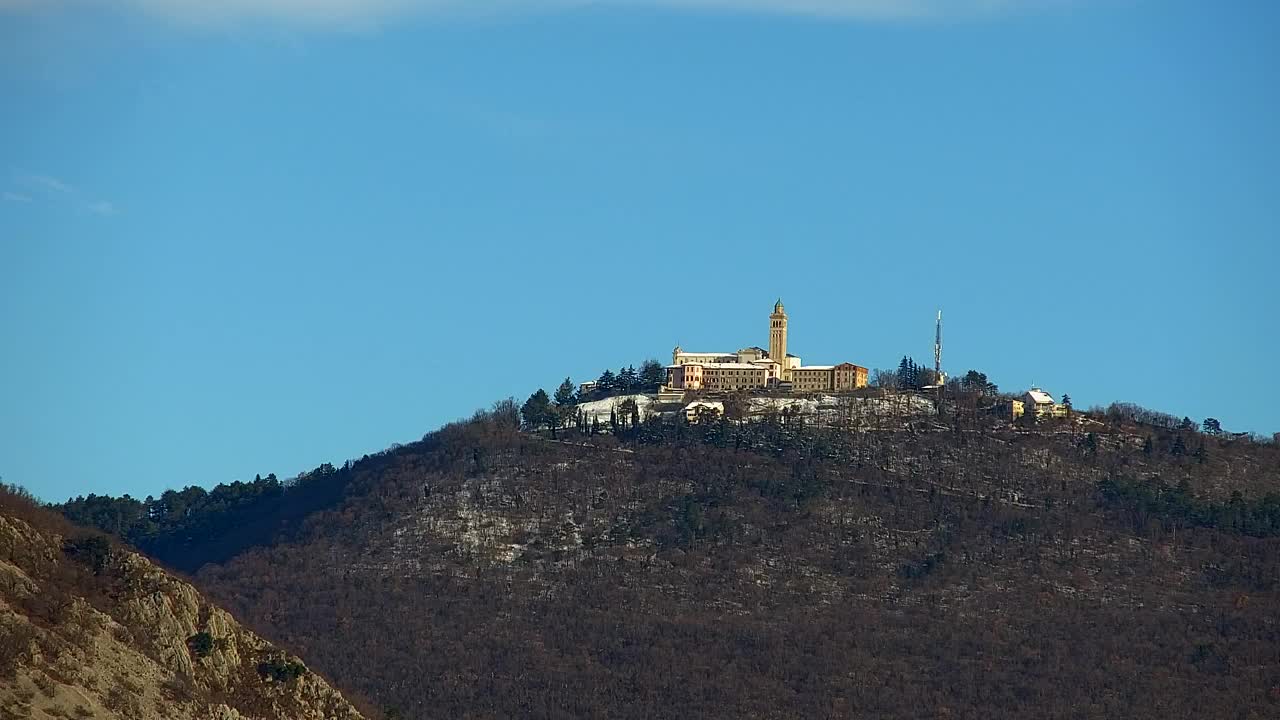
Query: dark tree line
(974, 381)
(553, 412)
(187, 528)
(628, 380)
(1176, 507)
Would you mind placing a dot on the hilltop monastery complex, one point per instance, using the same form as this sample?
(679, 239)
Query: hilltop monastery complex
(754, 368)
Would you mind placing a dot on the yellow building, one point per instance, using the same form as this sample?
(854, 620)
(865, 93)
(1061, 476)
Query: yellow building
(734, 376)
(753, 367)
(828, 378)
(847, 376)
(726, 376)
(685, 376)
(811, 378)
(680, 357)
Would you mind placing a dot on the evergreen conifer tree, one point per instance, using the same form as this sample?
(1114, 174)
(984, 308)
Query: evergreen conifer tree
(607, 382)
(565, 395)
(537, 410)
(627, 379)
(652, 374)
(908, 374)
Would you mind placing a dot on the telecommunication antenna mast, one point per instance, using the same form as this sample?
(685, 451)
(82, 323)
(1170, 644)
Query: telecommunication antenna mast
(937, 352)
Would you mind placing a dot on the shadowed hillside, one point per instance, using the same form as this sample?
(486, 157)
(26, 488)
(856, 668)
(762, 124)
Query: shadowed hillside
(89, 630)
(778, 569)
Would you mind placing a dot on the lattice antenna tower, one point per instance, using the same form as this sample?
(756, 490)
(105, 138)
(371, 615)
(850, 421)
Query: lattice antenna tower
(937, 350)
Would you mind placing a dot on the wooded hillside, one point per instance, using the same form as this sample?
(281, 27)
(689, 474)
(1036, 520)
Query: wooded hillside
(782, 570)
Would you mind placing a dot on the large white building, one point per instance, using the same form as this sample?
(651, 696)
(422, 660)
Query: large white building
(754, 367)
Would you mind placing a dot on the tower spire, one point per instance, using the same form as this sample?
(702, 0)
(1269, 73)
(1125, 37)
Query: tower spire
(778, 340)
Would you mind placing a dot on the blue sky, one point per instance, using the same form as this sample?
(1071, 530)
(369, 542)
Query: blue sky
(296, 231)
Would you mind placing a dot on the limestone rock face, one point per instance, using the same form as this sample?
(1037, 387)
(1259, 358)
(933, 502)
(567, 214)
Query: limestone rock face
(88, 630)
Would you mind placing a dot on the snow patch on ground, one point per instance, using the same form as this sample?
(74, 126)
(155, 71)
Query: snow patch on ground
(483, 533)
(601, 408)
(854, 406)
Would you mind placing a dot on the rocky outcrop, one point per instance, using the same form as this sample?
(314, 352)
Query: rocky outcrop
(88, 630)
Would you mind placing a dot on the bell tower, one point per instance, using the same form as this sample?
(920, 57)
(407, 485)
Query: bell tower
(778, 337)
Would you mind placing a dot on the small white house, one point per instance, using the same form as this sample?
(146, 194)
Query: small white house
(701, 409)
(1040, 402)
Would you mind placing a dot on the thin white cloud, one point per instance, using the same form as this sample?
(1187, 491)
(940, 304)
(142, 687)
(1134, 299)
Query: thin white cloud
(372, 12)
(46, 182)
(102, 207)
(55, 192)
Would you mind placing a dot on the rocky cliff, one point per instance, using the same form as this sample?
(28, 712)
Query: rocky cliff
(90, 630)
